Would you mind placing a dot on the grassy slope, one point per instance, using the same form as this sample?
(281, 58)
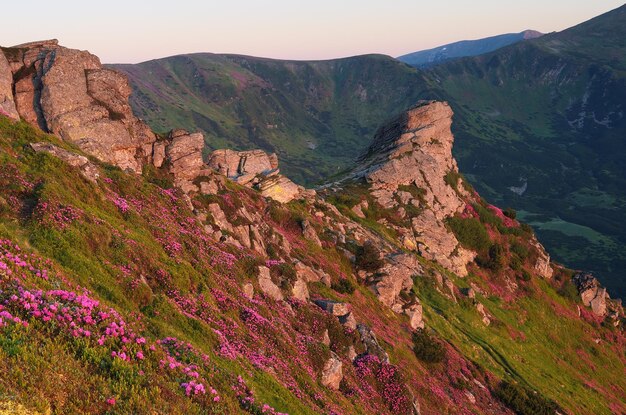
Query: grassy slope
(130, 260)
(317, 116)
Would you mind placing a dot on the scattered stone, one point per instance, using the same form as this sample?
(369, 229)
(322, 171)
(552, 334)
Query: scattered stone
(485, 316)
(267, 285)
(335, 308)
(326, 338)
(300, 290)
(308, 231)
(351, 353)
(248, 290)
(332, 374)
(368, 338)
(348, 321)
(415, 313)
(591, 293)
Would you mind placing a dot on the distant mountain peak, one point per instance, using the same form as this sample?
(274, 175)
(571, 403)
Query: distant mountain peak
(464, 48)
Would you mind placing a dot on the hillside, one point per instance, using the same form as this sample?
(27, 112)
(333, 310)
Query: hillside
(431, 57)
(539, 123)
(317, 116)
(150, 280)
(541, 127)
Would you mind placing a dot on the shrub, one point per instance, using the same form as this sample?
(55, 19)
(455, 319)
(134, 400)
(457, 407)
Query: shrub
(452, 179)
(523, 401)
(522, 251)
(367, 258)
(569, 291)
(427, 348)
(284, 275)
(343, 286)
(496, 257)
(470, 233)
(510, 213)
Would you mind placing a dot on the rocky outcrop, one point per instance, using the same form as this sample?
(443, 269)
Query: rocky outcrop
(591, 293)
(542, 263)
(258, 170)
(243, 166)
(69, 93)
(7, 105)
(410, 163)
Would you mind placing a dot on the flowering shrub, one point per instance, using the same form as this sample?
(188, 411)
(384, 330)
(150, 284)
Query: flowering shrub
(387, 381)
(56, 215)
(426, 348)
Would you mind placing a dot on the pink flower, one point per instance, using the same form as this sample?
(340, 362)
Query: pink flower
(140, 355)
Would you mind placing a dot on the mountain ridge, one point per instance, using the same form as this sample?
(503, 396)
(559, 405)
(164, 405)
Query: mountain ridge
(464, 48)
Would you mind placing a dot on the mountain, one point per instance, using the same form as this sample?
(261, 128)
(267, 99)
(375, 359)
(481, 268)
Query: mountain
(150, 279)
(463, 48)
(317, 116)
(540, 127)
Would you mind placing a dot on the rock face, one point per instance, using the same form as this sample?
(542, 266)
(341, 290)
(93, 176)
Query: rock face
(67, 92)
(414, 152)
(7, 105)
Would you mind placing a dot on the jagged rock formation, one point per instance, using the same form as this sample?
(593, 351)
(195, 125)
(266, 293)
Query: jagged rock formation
(414, 152)
(67, 92)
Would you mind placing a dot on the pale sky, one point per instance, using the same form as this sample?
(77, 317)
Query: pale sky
(132, 31)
